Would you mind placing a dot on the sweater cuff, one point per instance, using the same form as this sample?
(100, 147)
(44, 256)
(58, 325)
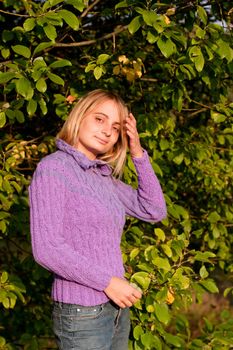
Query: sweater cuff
(141, 160)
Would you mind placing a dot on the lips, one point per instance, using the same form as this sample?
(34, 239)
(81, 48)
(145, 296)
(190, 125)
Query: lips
(103, 142)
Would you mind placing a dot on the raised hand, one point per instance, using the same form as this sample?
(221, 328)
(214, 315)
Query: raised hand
(134, 141)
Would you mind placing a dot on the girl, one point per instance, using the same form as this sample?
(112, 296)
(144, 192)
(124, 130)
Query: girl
(78, 209)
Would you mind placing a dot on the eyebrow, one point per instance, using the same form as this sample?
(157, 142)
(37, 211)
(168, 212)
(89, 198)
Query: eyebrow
(105, 115)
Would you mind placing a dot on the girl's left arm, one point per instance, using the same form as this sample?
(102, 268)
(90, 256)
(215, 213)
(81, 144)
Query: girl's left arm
(147, 201)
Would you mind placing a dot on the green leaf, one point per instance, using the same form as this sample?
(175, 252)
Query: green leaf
(31, 107)
(137, 332)
(10, 114)
(121, 4)
(2, 119)
(22, 50)
(134, 253)
(217, 117)
(197, 57)
(29, 24)
(199, 62)
(50, 31)
(203, 272)
(4, 277)
(5, 52)
(150, 341)
(149, 17)
(6, 303)
(4, 214)
(209, 52)
(89, 67)
(134, 25)
(43, 106)
(70, 19)
(56, 79)
(24, 88)
(52, 18)
(98, 71)
(5, 77)
(166, 46)
(19, 116)
(60, 64)
(162, 313)
(162, 263)
(200, 33)
(227, 291)
(164, 144)
(2, 342)
(204, 256)
(102, 58)
(213, 217)
(173, 340)
(210, 286)
(41, 85)
(224, 50)
(42, 46)
(181, 211)
(179, 159)
(7, 35)
(160, 234)
(142, 278)
(167, 250)
(151, 38)
(78, 4)
(50, 3)
(202, 14)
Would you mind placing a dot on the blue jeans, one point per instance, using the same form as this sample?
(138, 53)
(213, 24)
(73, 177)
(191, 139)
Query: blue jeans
(102, 327)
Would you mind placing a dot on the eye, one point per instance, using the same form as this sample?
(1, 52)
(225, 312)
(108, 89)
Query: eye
(117, 129)
(99, 119)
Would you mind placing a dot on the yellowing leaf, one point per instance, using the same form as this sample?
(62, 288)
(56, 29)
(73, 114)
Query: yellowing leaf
(170, 297)
(166, 19)
(123, 59)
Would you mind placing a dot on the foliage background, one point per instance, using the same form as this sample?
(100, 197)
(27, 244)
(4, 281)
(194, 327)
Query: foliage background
(172, 63)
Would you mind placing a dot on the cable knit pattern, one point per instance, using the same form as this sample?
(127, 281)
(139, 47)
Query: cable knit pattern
(77, 215)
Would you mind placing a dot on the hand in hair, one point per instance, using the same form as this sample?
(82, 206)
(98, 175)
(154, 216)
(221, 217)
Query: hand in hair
(134, 141)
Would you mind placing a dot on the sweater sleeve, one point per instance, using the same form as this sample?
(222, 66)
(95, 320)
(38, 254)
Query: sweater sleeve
(47, 194)
(147, 202)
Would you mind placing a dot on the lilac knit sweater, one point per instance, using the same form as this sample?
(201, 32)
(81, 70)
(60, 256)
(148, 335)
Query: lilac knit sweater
(77, 215)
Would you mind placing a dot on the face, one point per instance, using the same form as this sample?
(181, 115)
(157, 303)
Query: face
(99, 130)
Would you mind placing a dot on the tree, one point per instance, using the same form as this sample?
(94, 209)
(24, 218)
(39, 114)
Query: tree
(172, 63)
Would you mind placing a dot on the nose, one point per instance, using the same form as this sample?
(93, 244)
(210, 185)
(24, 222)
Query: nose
(107, 131)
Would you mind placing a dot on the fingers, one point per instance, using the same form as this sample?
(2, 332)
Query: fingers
(131, 127)
(131, 124)
(122, 293)
(127, 301)
(131, 298)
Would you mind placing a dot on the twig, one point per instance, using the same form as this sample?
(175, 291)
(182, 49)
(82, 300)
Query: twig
(153, 80)
(90, 42)
(89, 8)
(198, 111)
(201, 104)
(14, 14)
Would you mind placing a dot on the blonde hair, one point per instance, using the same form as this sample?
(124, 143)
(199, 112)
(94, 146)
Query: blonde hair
(69, 133)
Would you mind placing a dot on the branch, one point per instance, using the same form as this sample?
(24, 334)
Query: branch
(201, 104)
(93, 41)
(153, 80)
(89, 8)
(198, 111)
(14, 14)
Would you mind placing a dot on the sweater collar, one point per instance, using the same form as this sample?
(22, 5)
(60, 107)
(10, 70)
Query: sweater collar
(82, 159)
